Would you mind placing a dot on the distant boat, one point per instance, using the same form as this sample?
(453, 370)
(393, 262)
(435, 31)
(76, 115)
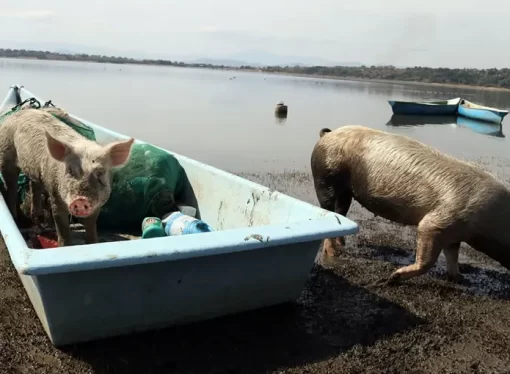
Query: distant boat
(437, 107)
(420, 120)
(481, 113)
(482, 127)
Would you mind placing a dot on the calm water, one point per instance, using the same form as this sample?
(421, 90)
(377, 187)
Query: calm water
(230, 123)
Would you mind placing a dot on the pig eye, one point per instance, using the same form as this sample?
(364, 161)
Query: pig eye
(71, 172)
(100, 174)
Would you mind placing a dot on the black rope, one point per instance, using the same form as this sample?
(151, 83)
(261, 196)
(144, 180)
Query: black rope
(48, 103)
(32, 101)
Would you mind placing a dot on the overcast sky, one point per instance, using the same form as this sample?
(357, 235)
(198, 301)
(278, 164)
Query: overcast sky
(453, 33)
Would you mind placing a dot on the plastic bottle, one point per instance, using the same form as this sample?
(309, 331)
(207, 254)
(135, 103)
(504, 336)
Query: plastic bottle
(177, 223)
(152, 227)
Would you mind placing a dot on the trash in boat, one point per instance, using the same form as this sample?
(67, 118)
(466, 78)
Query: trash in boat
(177, 223)
(152, 228)
(46, 242)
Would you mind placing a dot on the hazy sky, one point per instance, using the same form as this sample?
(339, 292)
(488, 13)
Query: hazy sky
(452, 33)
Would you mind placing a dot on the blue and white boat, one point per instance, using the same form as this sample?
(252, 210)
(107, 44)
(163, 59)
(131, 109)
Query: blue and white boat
(480, 112)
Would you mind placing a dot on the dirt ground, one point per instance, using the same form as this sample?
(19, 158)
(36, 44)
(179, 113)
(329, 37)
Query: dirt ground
(341, 324)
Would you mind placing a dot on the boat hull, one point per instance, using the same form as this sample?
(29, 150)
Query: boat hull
(260, 254)
(482, 113)
(423, 108)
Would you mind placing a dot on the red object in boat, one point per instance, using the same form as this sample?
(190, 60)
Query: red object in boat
(47, 243)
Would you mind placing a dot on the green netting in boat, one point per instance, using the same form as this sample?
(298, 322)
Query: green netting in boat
(145, 186)
(80, 127)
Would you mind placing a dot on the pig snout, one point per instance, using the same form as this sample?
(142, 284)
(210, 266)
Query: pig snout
(81, 207)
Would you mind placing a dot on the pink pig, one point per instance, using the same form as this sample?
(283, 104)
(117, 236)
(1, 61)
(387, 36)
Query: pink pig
(74, 171)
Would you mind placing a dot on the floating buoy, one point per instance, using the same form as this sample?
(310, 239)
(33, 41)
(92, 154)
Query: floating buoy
(281, 110)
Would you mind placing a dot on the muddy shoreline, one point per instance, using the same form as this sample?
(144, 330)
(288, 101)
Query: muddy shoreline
(340, 324)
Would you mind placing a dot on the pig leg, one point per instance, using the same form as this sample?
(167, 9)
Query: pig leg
(329, 199)
(427, 253)
(61, 218)
(91, 228)
(342, 205)
(10, 176)
(451, 253)
(36, 207)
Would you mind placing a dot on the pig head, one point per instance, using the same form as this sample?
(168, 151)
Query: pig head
(85, 167)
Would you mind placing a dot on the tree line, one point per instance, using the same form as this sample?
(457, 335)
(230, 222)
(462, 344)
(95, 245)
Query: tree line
(47, 55)
(474, 77)
(499, 78)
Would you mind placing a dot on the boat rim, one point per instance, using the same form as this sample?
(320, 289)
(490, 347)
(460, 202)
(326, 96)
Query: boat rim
(481, 107)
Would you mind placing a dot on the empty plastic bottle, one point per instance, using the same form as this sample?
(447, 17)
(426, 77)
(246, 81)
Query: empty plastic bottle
(177, 223)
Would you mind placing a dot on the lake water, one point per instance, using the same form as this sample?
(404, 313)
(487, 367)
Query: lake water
(230, 123)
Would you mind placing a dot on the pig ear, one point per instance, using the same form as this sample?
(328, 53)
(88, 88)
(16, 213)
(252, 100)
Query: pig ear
(119, 152)
(58, 150)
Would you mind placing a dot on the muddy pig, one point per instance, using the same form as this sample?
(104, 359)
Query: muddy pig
(74, 171)
(405, 181)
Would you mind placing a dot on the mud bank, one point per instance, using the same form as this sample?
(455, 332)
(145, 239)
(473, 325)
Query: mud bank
(340, 324)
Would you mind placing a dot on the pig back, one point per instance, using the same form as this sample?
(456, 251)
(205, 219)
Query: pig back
(402, 179)
(30, 141)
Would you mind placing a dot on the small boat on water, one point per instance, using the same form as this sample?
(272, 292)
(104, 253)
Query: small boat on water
(261, 251)
(420, 120)
(480, 112)
(436, 107)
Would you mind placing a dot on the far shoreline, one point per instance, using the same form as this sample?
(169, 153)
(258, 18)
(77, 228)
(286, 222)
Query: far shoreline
(386, 81)
(256, 70)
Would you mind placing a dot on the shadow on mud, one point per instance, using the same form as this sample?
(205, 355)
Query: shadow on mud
(331, 316)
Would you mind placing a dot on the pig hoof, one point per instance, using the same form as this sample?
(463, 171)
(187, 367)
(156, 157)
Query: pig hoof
(456, 278)
(330, 248)
(38, 221)
(393, 279)
(377, 284)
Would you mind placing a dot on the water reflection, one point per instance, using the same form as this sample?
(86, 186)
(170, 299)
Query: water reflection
(480, 127)
(416, 120)
(486, 128)
(280, 117)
